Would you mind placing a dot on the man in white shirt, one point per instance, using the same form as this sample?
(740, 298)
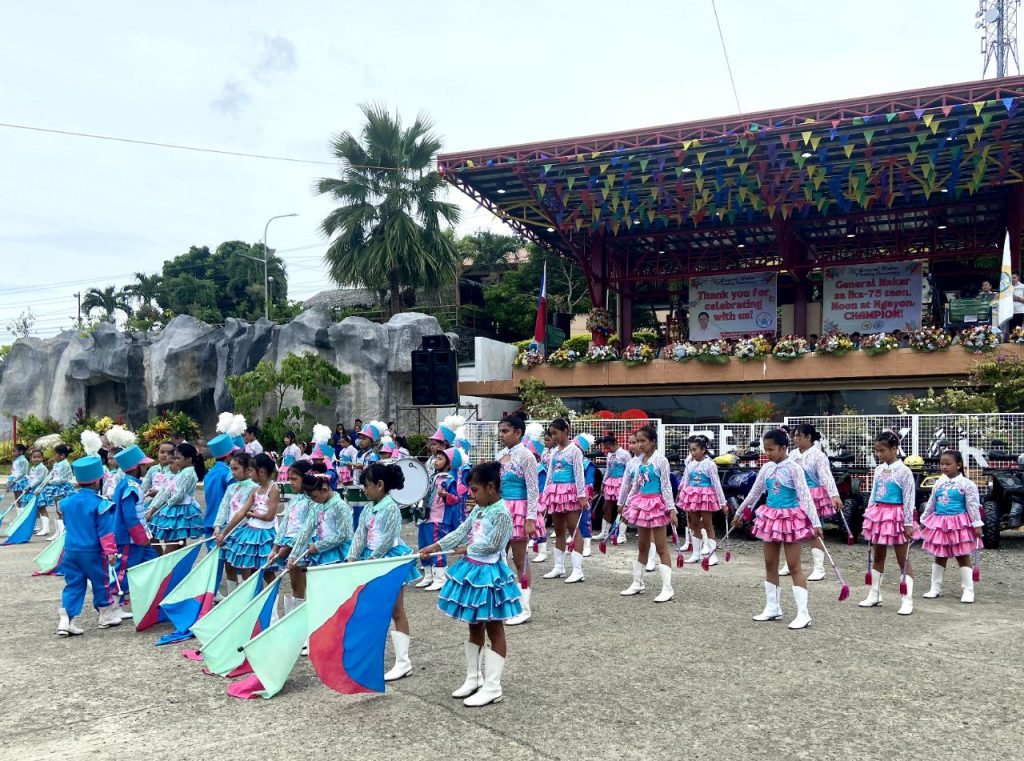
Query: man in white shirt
(1018, 302)
(252, 446)
(706, 329)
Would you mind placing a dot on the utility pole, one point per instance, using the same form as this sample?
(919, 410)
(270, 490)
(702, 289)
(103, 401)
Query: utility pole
(997, 20)
(78, 296)
(266, 264)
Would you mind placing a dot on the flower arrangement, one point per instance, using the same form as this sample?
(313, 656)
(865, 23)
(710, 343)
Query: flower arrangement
(752, 348)
(597, 354)
(790, 347)
(528, 358)
(715, 352)
(879, 343)
(1017, 335)
(980, 339)
(930, 339)
(600, 322)
(679, 351)
(637, 354)
(836, 344)
(563, 357)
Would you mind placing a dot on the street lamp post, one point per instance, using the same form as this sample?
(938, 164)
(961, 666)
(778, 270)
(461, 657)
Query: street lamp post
(266, 259)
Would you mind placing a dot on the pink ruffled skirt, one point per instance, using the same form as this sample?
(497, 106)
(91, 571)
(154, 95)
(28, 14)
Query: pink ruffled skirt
(560, 498)
(646, 511)
(698, 499)
(518, 509)
(610, 488)
(823, 502)
(883, 524)
(788, 525)
(949, 536)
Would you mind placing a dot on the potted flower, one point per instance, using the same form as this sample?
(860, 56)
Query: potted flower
(930, 339)
(979, 339)
(637, 354)
(714, 352)
(563, 357)
(835, 344)
(752, 348)
(597, 354)
(680, 352)
(528, 359)
(790, 347)
(879, 343)
(600, 325)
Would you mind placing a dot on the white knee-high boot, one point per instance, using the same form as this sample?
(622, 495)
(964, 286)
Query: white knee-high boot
(936, 588)
(818, 571)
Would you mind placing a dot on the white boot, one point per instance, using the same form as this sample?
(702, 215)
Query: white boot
(286, 605)
(695, 557)
(428, 570)
(125, 612)
(522, 618)
(637, 587)
(704, 543)
(803, 618)
(652, 559)
(67, 626)
(967, 584)
(577, 568)
(558, 569)
(936, 590)
(474, 679)
(712, 554)
(58, 531)
(818, 572)
(772, 609)
(687, 538)
(784, 570)
(542, 553)
(44, 526)
(605, 528)
(875, 594)
(907, 600)
(667, 593)
(109, 616)
(440, 577)
(586, 547)
(228, 587)
(402, 667)
(621, 536)
(490, 692)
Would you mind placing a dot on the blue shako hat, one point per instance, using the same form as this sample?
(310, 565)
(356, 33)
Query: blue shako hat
(129, 458)
(88, 470)
(221, 446)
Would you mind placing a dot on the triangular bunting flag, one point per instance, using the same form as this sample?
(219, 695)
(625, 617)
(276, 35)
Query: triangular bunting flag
(19, 531)
(152, 581)
(222, 654)
(49, 559)
(192, 598)
(272, 655)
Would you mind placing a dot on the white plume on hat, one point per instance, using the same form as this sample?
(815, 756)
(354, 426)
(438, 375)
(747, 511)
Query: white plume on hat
(91, 442)
(534, 430)
(385, 440)
(453, 422)
(321, 433)
(121, 437)
(237, 426)
(224, 421)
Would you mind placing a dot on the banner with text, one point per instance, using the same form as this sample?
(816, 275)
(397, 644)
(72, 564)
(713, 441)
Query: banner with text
(732, 306)
(872, 298)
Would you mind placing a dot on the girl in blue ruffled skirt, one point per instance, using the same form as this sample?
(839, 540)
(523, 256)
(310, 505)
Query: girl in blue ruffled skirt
(481, 589)
(252, 542)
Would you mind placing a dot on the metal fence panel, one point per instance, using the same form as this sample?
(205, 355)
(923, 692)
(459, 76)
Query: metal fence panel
(483, 434)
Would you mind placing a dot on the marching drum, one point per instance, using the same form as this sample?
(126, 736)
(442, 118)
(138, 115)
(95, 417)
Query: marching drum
(416, 482)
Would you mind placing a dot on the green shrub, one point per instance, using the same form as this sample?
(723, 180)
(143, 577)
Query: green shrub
(31, 428)
(645, 336)
(578, 344)
(417, 444)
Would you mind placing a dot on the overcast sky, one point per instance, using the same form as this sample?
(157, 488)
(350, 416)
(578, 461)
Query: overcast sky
(281, 78)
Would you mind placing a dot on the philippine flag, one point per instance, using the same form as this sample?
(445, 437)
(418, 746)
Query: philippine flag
(192, 598)
(540, 327)
(349, 611)
(152, 581)
(20, 529)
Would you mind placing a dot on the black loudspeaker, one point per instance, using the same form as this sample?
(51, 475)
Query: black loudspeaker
(435, 377)
(562, 321)
(422, 378)
(435, 342)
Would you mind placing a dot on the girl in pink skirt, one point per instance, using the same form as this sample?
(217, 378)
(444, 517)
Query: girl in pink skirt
(627, 483)
(952, 524)
(648, 506)
(616, 460)
(784, 524)
(520, 494)
(700, 497)
(889, 519)
(818, 472)
(564, 498)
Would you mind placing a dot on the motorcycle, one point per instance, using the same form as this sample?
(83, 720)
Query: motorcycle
(848, 480)
(1003, 504)
(738, 477)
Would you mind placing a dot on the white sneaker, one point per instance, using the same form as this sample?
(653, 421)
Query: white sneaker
(907, 600)
(667, 592)
(637, 587)
(427, 578)
(818, 571)
(772, 609)
(577, 568)
(440, 576)
(803, 618)
(936, 588)
(875, 593)
(967, 584)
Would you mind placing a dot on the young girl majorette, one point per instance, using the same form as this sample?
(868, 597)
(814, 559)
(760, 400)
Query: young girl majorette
(564, 498)
(174, 515)
(379, 535)
(159, 473)
(17, 481)
(441, 496)
(783, 524)
(627, 484)
(59, 484)
(254, 538)
(889, 518)
(538, 441)
(36, 477)
(236, 496)
(288, 529)
(481, 589)
(291, 452)
(952, 524)
(701, 496)
(367, 436)
(649, 507)
(521, 495)
(616, 460)
(586, 524)
(818, 472)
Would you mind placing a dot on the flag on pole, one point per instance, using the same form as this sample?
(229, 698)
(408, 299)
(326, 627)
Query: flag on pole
(49, 559)
(1005, 285)
(152, 581)
(349, 614)
(222, 654)
(540, 327)
(3, 513)
(20, 529)
(193, 597)
(272, 655)
(224, 612)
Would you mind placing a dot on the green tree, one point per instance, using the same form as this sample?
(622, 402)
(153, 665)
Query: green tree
(308, 374)
(108, 301)
(488, 254)
(145, 291)
(386, 232)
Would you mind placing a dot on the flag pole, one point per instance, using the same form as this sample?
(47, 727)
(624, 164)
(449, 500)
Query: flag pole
(410, 556)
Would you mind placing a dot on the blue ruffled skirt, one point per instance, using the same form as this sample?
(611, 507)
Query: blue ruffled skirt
(17, 483)
(249, 547)
(477, 592)
(174, 523)
(281, 563)
(327, 557)
(399, 551)
(51, 493)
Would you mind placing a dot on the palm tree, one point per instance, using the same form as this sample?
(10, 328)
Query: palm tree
(387, 229)
(108, 300)
(145, 290)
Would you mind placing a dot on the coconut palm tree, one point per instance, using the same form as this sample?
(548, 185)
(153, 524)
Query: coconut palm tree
(145, 290)
(108, 300)
(386, 233)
